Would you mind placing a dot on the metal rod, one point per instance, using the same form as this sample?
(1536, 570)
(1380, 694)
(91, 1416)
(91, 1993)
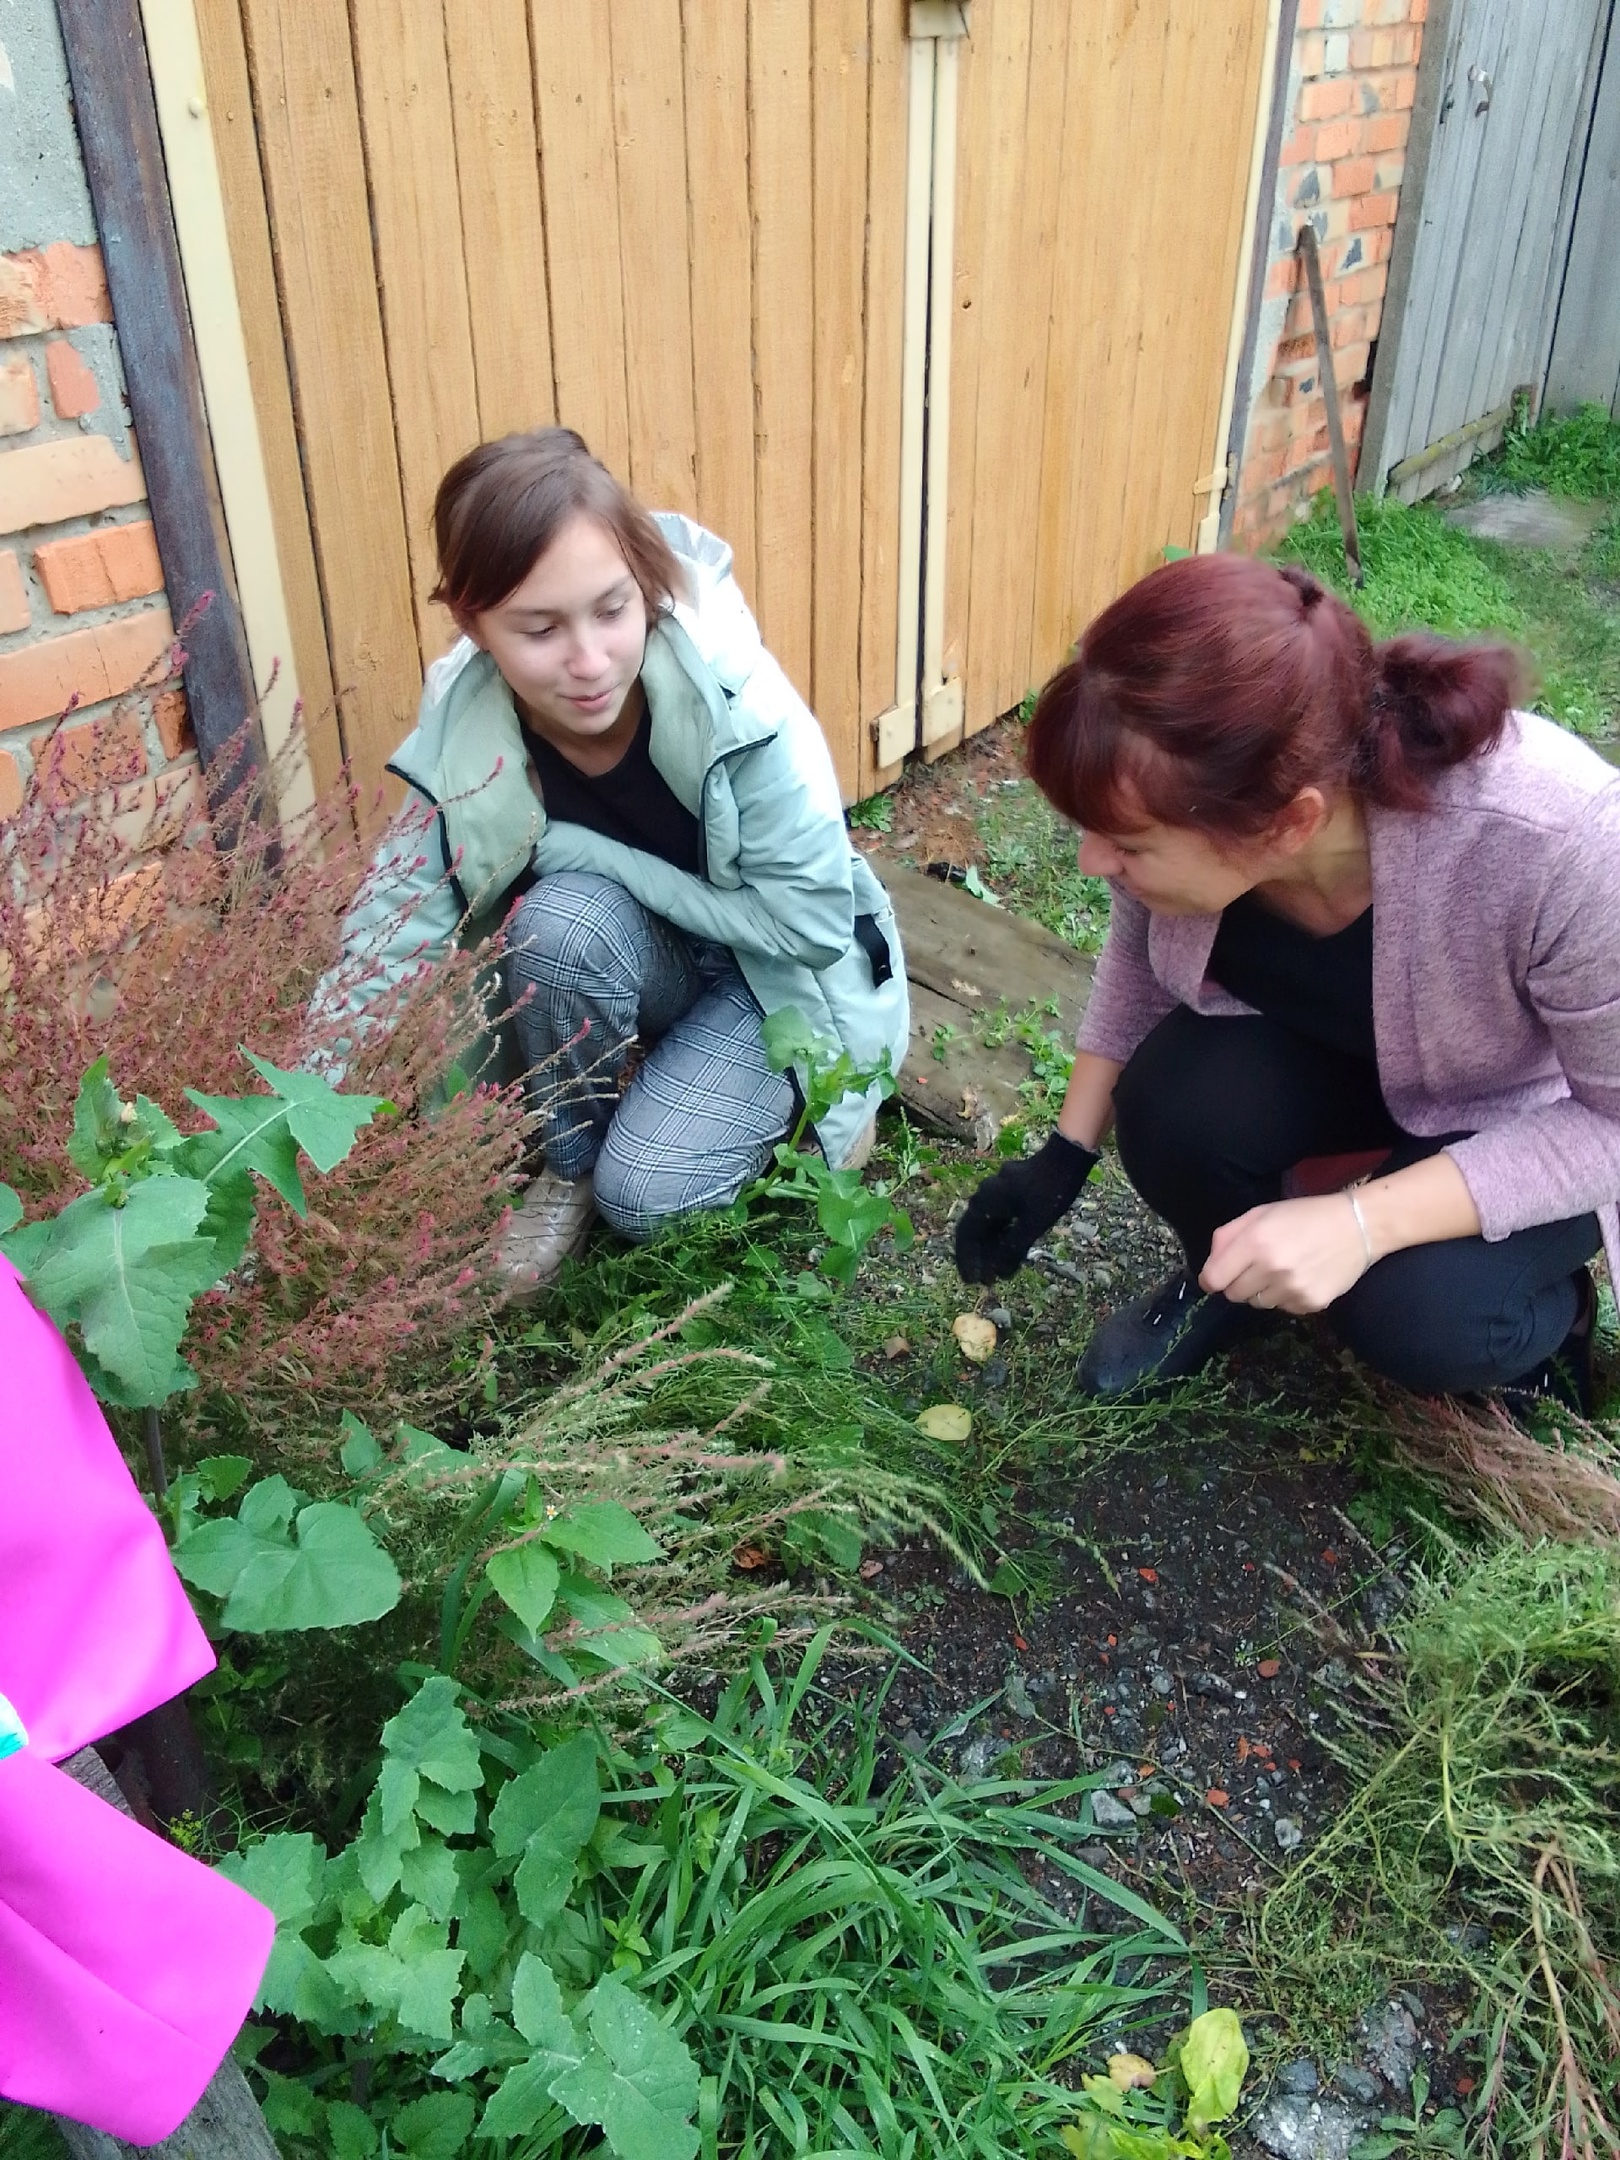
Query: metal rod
(1306, 247)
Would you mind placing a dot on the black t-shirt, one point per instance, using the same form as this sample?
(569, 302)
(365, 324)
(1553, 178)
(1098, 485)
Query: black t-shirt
(631, 802)
(1319, 986)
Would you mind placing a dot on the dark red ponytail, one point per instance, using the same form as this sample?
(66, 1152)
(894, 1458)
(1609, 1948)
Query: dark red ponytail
(1214, 690)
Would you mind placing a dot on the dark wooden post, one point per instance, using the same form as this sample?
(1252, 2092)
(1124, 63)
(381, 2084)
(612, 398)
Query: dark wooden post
(123, 155)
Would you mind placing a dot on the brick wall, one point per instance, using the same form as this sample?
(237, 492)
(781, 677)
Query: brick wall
(1347, 117)
(84, 625)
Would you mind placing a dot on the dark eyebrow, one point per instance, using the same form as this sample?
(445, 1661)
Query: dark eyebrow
(625, 585)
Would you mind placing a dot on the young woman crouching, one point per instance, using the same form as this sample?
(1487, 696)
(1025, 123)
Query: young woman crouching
(623, 775)
(1364, 910)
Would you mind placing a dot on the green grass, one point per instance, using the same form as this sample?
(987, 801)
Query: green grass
(1029, 859)
(1422, 571)
(1578, 456)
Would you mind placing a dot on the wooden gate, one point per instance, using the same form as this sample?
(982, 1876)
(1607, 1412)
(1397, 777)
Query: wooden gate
(695, 230)
(1499, 132)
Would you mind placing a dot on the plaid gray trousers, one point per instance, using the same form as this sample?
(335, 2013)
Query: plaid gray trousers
(589, 970)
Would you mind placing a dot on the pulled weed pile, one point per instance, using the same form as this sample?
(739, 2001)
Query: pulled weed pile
(1481, 1846)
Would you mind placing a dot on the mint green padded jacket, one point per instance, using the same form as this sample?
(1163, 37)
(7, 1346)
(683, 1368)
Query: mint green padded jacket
(781, 884)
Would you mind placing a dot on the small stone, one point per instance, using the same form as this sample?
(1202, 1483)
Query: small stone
(1016, 1696)
(1295, 2128)
(1118, 1774)
(1287, 1833)
(1103, 1277)
(1391, 2035)
(977, 1757)
(999, 1316)
(1468, 1935)
(1208, 1683)
(913, 1742)
(1356, 2083)
(1110, 1814)
(1299, 2077)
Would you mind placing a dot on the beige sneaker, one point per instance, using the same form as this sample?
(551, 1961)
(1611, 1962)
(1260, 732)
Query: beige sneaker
(549, 1225)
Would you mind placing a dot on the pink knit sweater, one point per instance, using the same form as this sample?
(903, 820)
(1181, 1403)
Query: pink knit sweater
(1496, 976)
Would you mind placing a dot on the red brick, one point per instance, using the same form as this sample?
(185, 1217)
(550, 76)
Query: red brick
(1282, 277)
(1389, 172)
(92, 754)
(99, 569)
(1386, 131)
(1420, 11)
(1310, 55)
(19, 396)
(1271, 430)
(73, 387)
(1371, 49)
(47, 482)
(1372, 210)
(1348, 327)
(1297, 150)
(1310, 14)
(85, 667)
(1268, 467)
(11, 785)
(1404, 45)
(1339, 139)
(61, 287)
(1326, 100)
(1405, 89)
(1295, 348)
(171, 715)
(1386, 11)
(1380, 92)
(1349, 365)
(13, 599)
(1353, 176)
(22, 295)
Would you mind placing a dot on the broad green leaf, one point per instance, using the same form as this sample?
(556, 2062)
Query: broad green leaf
(98, 1128)
(603, 1533)
(481, 1932)
(1214, 2058)
(232, 1209)
(455, 1813)
(524, 1578)
(398, 1788)
(606, 1626)
(791, 1040)
(360, 1453)
(432, 1736)
(284, 1872)
(326, 1571)
(379, 1854)
(350, 2131)
(126, 1276)
(220, 1476)
(434, 2128)
(537, 2011)
(324, 1122)
(427, 1999)
(11, 1209)
(264, 1133)
(562, 1787)
(429, 1875)
(639, 2083)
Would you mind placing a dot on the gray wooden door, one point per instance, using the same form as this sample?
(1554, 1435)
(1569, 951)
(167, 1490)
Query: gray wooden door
(1483, 234)
(1585, 364)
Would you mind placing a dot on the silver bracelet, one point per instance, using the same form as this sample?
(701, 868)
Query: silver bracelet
(1361, 1222)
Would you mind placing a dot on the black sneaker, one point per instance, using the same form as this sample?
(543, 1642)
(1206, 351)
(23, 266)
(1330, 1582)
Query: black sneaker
(1169, 1334)
(1564, 1380)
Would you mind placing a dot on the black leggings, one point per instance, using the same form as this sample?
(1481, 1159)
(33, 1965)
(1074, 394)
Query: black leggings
(1211, 1112)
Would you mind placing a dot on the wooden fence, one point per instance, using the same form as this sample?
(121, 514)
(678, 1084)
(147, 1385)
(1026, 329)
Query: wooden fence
(682, 227)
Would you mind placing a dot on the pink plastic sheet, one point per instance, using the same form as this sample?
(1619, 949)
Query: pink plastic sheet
(125, 1967)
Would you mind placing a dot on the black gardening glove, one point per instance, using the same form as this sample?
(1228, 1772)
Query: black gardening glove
(1017, 1205)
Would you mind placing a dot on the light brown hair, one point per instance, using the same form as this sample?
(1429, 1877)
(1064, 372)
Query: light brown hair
(502, 505)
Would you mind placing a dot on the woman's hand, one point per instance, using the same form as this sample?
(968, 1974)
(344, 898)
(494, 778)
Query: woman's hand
(1293, 1256)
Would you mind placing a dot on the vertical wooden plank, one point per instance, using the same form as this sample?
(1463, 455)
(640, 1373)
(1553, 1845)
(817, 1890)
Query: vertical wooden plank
(839, 191)
(573, 79)
(1003, 296)
(650, 130)
(968, 339)
(1585, 363)
(410, 144)
(309, 139)
(503, 230)
(882, 305)
(778, 167)
(715, 69)
(247, 219)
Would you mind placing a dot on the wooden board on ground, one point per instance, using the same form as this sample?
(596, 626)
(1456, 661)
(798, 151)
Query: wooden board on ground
(968, 961)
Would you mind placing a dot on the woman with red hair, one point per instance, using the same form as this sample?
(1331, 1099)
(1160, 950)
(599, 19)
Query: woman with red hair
(1366, 918)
